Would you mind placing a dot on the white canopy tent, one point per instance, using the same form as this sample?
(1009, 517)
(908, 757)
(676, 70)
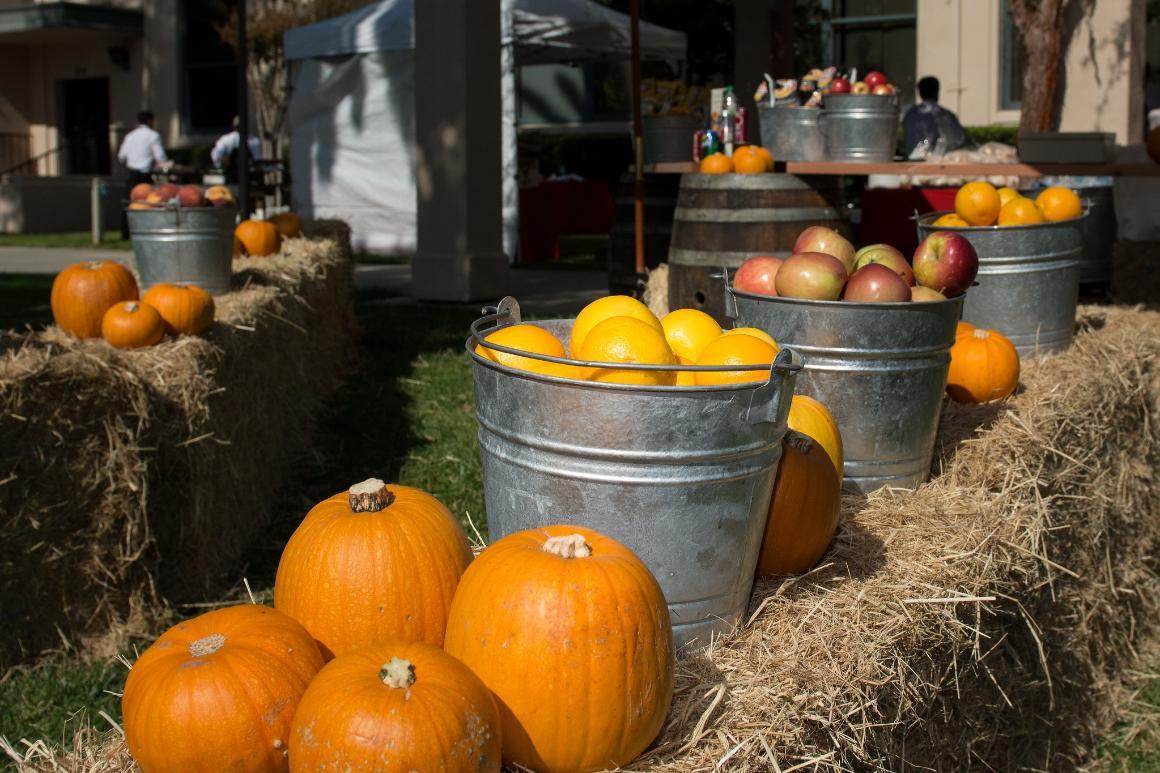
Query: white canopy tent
(351, 118)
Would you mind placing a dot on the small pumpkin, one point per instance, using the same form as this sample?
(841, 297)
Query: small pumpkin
(288, 225)
(803, 512)
(809, 417)
(984, 367)
(372, 564)
(259, 238)
(132, 325)
(186, 309)
(398, 705)
(570, 631)
(962, 329)
(83, 292)
(219, 691)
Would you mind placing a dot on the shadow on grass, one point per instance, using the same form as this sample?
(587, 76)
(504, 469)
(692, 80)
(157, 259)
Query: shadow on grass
(24, 300)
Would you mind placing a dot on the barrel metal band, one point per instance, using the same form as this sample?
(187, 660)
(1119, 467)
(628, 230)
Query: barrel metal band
(765, 215)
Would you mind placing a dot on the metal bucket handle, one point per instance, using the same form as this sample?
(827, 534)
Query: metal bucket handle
(730, 298)
(507, 312)
(770, 402)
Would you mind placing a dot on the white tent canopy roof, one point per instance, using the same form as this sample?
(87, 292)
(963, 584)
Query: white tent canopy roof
(543, 31)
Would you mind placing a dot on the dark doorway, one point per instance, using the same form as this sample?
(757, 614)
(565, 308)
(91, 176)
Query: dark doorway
(85, 128)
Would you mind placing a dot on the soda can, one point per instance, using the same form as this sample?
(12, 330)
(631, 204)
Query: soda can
(710, 143)
(739, 127)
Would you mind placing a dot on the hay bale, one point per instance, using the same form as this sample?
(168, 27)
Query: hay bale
(132, 477)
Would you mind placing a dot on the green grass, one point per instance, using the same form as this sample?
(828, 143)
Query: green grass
(40, 702)
(80, 240)
(1134, 746)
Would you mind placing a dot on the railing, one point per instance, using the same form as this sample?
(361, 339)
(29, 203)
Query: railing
(16, 154)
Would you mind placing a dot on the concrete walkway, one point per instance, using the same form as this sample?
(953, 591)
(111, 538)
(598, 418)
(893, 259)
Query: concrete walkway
(541, 292)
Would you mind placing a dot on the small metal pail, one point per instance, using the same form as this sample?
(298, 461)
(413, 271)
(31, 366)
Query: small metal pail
(191, 245)
(681, 475)
(860, 127)
(1028, 281)
(880, 369)
(792, 133)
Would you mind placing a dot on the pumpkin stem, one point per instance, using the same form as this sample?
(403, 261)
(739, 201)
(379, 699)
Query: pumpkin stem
(801, 442)
(131, 306)
(980, 333)
(370, 496)
(207, 645)
(572, 546)
(95, 264)
(399, 673)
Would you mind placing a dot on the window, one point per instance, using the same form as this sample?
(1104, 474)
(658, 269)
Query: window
(1011, 61)
(875, 35)
(209, 72)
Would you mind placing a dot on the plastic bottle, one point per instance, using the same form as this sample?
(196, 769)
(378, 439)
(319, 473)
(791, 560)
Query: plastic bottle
(728, 120)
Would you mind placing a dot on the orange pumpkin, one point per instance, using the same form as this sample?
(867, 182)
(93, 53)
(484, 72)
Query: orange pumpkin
(570, 631)
(373, 563)
(218, 692)
(984, 367)
(803, 513)
(811, 418)
(288, 225)
(83, 292)
(962, 329)
(396, 706)
(186, 309)
(259, 238)
(132, 324)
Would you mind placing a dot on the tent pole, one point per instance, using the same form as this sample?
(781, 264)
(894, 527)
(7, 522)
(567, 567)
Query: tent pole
(243, 117)
(637, 141)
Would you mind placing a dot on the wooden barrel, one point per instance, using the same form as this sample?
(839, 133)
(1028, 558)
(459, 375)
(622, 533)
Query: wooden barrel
(660, 200)
(723, 219)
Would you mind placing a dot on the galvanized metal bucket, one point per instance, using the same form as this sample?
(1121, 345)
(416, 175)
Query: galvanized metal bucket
(1028, 282)
(860, 127)
(681, 475)
(669, 138)
(880, 369)
(184, 246)
(792, 133)
(1099, 232)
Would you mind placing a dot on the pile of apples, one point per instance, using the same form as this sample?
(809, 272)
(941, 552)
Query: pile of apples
(825, 266)
(874, 83)
(146, 196)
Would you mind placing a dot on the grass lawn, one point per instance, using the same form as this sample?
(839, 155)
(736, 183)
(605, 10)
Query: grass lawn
(407, 415)
(79, 240)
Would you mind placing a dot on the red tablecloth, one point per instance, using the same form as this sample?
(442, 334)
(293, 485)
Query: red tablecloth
(559, 207)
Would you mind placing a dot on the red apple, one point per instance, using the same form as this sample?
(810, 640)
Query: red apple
(874, 78)
(162, 194)
(882, 90)
(859, 87)
(887, 256)
(813, 275)
(839, 86)
(757, 275)
(921, 293)
(140, 192)
(875, 283)
(819, 238)
(191, 196)
(947, 262)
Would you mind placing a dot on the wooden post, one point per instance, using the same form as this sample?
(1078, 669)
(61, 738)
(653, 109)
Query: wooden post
(95, 210)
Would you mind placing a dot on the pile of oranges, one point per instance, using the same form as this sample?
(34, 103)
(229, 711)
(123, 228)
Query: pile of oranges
(621, 329)
(980, 204)
(747, 159)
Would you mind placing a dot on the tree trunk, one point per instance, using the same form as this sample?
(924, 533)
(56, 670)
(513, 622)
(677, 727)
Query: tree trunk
(1040, 27)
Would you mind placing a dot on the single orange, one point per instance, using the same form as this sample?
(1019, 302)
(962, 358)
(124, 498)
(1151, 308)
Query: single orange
(627, 339)
(686, 378)
(749, 163)
(1005, 195)
(756, 333)
(604, 308)
(951, 220)
(717, 163)
(735, 350)
(1058, 203)
(688, 331)
(528, 338)
(1020, 211)
(764, 153)
(978, 203)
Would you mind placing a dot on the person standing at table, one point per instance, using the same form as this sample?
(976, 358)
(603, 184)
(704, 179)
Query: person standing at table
(928, 122)
(141, 151)
(225, 152)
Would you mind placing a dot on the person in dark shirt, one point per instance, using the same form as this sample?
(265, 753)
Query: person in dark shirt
(928, 121)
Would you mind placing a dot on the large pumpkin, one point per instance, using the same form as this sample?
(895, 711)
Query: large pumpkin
(570, 630)
(396, 706)
(371, 564)
(287, 224)
(809, 417)
(803, 513)
(186, 309)
(984, 366)
(218, 692)
(132, 325)
(258, 237)
(83, 292)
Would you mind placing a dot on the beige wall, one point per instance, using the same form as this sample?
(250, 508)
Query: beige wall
(958, 42)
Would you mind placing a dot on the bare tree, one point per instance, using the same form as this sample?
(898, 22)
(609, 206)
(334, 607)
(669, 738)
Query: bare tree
(266, 20)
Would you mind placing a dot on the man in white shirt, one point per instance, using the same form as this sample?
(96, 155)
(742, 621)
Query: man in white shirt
(141, 150)
(225, 152)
